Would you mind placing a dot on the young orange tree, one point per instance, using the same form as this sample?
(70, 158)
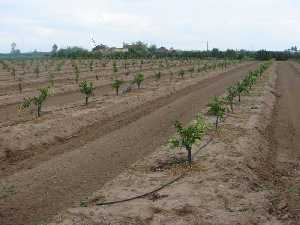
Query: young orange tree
(116, 84)
(181, 73)
(231, 94)
(87, 89)
(240, 88)
(77, 73)
(217, 109)
(138, 79)
(187, 136)
(36, 100)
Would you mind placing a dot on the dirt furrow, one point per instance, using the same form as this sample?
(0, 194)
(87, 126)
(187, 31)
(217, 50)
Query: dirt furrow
(285, 142)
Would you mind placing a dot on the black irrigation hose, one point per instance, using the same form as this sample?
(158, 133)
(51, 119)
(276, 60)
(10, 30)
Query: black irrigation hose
(157, 189)
(143, 195)
(203, 146)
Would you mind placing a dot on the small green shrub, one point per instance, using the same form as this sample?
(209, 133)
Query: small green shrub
(6, 191)
(87, 89)
(187, 136)
(240, 88)
(116, 84)
(138, 79)
(77, 73)
(115, 68)
(51, 79)
(181, 73)
(36, 100)
(217, 109)
(231, 94)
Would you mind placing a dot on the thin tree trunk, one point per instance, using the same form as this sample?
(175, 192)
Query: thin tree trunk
(217, 122)
(20, 87)
(86, 100)
(39, 107)
(189, 155)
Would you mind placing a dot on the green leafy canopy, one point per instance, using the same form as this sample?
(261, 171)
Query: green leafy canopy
(187, 136)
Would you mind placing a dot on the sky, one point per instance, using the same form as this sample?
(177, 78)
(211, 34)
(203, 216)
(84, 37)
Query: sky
(189, 24)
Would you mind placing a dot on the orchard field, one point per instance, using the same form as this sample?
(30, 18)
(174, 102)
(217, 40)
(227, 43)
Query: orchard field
(113, 83)
(68, 127)
(22, 79)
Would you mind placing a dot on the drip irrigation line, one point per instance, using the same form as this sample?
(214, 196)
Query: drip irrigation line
(142, 195)
(203, 146)
(157, 189)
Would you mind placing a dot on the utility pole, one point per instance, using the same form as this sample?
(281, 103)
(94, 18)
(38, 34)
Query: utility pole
(207, 46)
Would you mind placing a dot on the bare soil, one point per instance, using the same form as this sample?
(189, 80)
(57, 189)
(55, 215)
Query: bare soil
(75, 164)
(285, 143)
(68, 128)
(248, 175)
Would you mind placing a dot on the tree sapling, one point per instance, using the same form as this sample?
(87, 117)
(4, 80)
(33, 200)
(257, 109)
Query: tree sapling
(217, 109)
(187, 136)
(87, 89)
(116, 84)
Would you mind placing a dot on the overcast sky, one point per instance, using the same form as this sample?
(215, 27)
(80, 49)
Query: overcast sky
(236, 24)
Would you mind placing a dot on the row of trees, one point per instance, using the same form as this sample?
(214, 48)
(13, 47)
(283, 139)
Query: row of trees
(143, 50)
(87, 88)
(268, 55)
(217, 106)
(90, 65)
(187, 136)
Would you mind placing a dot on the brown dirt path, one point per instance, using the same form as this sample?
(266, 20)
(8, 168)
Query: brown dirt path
(285, 139)
(66, 179)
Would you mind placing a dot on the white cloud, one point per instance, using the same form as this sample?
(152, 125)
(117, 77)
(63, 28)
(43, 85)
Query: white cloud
(182, 24)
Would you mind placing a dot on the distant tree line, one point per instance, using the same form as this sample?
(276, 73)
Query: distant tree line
(285, 55)
(143, 50)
